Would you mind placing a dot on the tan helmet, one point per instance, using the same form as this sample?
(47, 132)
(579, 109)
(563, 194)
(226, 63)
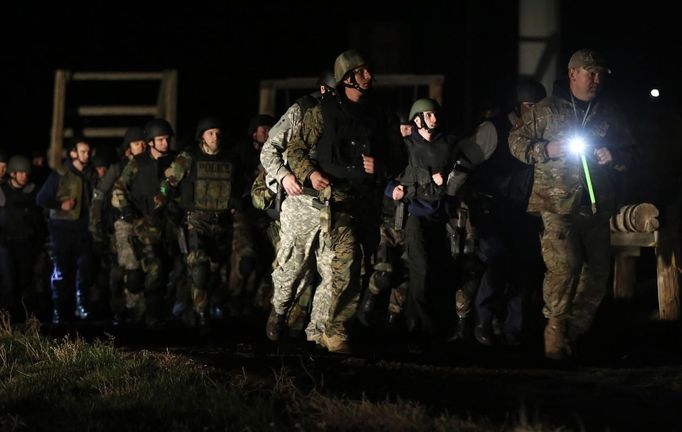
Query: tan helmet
(346, 62)
(421, 105)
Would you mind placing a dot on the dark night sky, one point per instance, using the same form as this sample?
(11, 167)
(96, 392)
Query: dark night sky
(223, 51)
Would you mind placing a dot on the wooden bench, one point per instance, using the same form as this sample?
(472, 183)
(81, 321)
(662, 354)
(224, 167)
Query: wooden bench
(626, 247)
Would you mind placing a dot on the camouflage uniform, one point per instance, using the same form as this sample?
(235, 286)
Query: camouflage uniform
(205, 183)
(353, 217)
(138, 234)
(575, 242)
(299, 231)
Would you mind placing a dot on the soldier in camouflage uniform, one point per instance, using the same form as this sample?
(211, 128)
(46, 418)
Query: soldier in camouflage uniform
(139, 228)
(103, 217)
(576, 238)
(357, 149)
(300, 227)
(204, 177)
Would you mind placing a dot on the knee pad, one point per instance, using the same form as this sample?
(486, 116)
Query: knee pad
(246, 266)
(135, 281)
(381, 281)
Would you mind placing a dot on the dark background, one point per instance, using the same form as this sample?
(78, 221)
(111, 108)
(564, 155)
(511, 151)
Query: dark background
(222, 51)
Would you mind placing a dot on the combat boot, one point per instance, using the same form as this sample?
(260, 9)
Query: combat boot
(335, 344)
(273, 328)
(366, 307)
(556, 344)
(463, 329)
(484, 334)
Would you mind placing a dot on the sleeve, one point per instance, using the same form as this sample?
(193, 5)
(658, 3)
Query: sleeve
(121, 188)
(303, 141)
(272, 153)
(526, 142)
(47, 196)
(177, 171)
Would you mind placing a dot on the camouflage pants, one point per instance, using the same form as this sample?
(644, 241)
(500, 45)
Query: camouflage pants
(576, 251)
(389, 269)
(209, 238)
(150, 262)
(351, 234)
(295, 263)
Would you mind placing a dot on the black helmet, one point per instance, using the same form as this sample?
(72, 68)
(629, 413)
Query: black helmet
(529, 90)
(3, 157)
(157, 127)
(326, 78)
(18, 163)
(260, 120)
(404, 120)
(205, 124)
(133, 134)
(99, 160)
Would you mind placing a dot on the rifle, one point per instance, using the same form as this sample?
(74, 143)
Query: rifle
(399, 217)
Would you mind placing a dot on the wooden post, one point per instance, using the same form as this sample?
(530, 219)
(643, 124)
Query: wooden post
(667, 263)
(624, 274)
(171, 98)
(54, 155)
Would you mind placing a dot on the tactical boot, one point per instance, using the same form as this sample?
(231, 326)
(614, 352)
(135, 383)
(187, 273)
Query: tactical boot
(484, 334)
(556, 344)
(366, 307)
(335, 344)
(463, 330)
(273, 328)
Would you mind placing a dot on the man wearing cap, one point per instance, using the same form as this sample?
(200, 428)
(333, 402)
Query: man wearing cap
(576, 238)
(357, 147)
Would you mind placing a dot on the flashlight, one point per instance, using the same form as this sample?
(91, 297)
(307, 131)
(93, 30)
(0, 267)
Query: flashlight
(577, 145)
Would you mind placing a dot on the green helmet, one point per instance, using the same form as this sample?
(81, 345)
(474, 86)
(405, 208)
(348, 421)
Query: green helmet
(421, 105)
(346, 62)
(19, 163)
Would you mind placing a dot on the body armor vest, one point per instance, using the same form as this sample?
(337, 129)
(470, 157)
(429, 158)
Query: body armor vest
(350, 130)
(146, 183)
(427, 158)
(502, 175)
(209, 184)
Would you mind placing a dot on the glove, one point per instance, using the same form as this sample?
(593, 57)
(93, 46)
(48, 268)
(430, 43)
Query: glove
(127, 214)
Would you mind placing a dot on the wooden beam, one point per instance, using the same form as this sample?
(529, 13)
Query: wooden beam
(118, 110)
(117, 76)
(98, 132)
(634, 239)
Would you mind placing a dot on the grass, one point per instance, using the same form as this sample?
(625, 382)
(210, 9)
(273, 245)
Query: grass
(69, 384)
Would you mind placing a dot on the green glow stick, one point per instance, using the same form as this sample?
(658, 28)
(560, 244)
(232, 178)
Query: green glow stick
(593, 200)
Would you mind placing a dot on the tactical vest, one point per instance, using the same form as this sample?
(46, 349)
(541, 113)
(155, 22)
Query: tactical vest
(502, 175)
(350, 130)
(18, 211)
(306, 102)
(208, 186)
(427, 158)
(70, 186)
(147, 180)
